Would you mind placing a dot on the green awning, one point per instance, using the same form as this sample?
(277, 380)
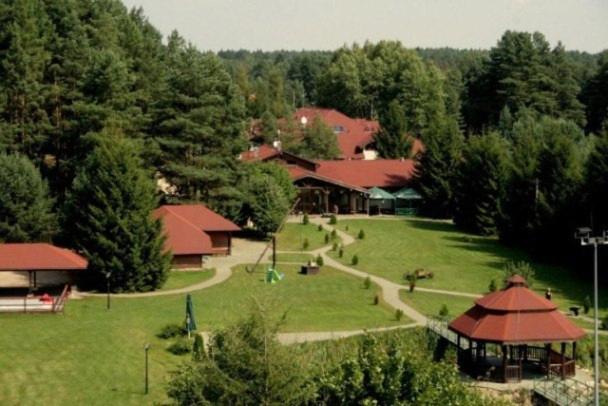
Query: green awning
(407, 194)
(376, 193)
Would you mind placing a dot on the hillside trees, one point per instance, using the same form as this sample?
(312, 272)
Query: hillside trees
(108, 218)
(25, 206)
(363, 81)
(482, 174)
(523, 72)
(596, 183)
(318, 141)
(595, 96)
(436, 168)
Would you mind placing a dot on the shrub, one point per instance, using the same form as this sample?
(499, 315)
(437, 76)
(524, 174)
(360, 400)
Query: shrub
(305, 244)
(444, 312)
(334, 247)
(198, 348)
(367, 283)
(319, 260)
(492, 287)
(333, 219)
(346, 227)
(376, 300)
(180, 347)
(172, 330)
(334, 234)
(326, 238)
(355, 260)
(586, 304)
(398, 314)
(361, 234)
(604, 323)
(305, 219)
(319, 227)
(341, 252)
(521, 268)
(410, 277)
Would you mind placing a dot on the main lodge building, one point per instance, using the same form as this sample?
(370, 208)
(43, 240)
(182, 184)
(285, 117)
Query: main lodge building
(342, 185)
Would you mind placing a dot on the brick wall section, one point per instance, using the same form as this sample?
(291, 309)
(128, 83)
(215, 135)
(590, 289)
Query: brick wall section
(220, 242)
(187, 261)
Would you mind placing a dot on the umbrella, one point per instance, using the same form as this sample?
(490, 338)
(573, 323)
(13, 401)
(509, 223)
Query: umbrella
(190, 322)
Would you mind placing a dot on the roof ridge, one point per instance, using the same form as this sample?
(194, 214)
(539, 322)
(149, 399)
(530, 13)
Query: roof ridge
(185, 220)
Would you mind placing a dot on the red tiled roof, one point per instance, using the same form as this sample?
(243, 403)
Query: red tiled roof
(260, 153)
(356, 132)
(515, 315)
(39, 257)
(297, 173)
(381, 173)
(186, 228)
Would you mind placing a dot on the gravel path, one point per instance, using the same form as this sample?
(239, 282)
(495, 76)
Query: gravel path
(243, 252)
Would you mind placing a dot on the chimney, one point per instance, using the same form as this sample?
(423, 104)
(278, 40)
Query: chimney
(276, 144)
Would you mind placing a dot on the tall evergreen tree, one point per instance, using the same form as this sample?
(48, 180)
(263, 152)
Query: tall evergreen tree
(595, 96)
(436, 169)
(25, 206)
(392, 140)
(108, 217)
(482, 174)
(199, 128)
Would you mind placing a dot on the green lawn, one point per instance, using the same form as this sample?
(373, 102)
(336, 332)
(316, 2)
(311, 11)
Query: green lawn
(181, 279)
(460, 261)
(429, 304)
(299, 258)
(90, 356)
(291, 237)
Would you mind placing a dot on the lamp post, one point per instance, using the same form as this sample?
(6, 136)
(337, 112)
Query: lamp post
(584, 235)
(108, 274)
(146, 349)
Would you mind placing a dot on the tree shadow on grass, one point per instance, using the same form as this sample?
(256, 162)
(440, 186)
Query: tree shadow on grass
(431, 225)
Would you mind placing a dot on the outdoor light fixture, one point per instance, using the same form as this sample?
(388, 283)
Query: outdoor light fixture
(146, 349)
(584, 235)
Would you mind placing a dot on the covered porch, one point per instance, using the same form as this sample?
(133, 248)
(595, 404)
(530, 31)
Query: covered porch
(323, 196)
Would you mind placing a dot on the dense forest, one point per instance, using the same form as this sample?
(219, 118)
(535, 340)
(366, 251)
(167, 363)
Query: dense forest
(522, 127)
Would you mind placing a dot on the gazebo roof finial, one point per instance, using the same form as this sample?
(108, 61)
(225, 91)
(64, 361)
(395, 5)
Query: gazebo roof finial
(516, 280)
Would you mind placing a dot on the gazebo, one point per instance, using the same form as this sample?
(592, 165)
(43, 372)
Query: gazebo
(523, 326)
(381, 200)
(407, 201)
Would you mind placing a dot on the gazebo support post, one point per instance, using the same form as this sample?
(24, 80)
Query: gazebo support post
(574, 350)
(563, 360)
(548, 351)
(504, 363)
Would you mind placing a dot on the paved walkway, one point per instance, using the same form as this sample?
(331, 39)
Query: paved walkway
(311, 336)
(243, 252)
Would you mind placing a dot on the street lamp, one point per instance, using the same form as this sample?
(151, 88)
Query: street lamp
(108, 274)
(146, 348)
(584, 235)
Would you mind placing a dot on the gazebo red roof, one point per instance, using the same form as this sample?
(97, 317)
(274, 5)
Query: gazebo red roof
(39, 257)
(515, 315)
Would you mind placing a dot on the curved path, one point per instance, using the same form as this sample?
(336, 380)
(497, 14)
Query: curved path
(244, 252)
(390, 290)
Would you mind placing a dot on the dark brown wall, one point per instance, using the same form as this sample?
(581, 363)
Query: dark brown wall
(187, 261)
(220, 242)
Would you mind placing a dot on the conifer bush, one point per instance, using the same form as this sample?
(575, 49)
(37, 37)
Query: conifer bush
(361, 234)
(319, 260)
(305, 219)
(355, 260)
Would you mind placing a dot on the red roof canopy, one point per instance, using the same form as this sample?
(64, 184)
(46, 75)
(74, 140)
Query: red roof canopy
(383, 173)
(186, 227)
(515, 315)
(39, 257)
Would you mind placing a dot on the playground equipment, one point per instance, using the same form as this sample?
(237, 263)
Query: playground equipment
(272, 276)
(273, 243)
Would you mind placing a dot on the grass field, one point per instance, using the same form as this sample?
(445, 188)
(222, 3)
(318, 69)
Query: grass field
(292, 237)
(295, 257)
(90, 356)
(459, 261)
(181, 279)
(429, 304)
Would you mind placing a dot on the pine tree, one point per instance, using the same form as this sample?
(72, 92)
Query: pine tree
(595, 96)
(392, 140)
(268, 124)
(199, 128)
(482, 173)
(25, 206)
(436, 169)
(318, 141)
(108, 217)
